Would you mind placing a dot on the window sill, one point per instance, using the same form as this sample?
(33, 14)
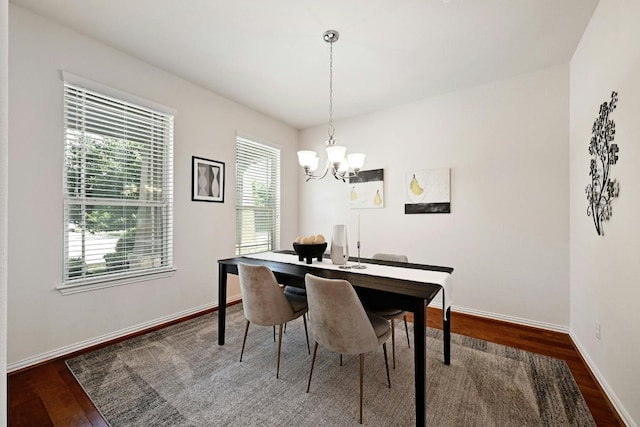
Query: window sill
(74, 288)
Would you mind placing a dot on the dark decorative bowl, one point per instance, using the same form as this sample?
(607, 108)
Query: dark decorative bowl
(309, 252)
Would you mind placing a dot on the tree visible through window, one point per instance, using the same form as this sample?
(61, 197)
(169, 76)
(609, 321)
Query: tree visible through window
(117, 188)
(257, 197)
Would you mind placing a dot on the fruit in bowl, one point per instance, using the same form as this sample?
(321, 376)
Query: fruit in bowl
(310, 247)
(314, 239)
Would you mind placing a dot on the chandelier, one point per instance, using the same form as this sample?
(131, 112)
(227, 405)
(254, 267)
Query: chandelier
(341, 164)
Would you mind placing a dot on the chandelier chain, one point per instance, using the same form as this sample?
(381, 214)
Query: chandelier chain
(331, 127)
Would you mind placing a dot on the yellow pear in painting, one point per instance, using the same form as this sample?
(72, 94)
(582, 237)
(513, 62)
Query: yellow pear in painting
(414, 186)
(377, 200)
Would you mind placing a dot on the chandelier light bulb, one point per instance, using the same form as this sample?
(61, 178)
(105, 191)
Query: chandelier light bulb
(344, 166)
(356, 160)
(314, 163)
(336, 153)
(305, 158)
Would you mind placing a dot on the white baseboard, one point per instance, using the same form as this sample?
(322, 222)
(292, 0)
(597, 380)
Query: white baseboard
(31, 361)
(603, 383)
(505, 318)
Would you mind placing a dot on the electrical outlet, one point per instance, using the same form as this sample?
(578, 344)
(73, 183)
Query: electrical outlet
(598, 330)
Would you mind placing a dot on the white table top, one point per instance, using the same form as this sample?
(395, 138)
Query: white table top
(411, 274)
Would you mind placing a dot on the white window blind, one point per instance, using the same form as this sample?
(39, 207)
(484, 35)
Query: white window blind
(118, 184)
(257, 197)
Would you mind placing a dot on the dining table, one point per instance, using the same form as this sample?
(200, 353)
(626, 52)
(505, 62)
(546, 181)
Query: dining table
(407, 286)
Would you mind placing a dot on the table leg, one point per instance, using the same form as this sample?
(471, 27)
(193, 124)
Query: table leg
(446, 328)
(222, 301)
(419, 351)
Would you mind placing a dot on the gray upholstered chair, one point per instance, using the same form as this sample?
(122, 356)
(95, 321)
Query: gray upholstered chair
(390, 313)
(264, 303)
(340, 324)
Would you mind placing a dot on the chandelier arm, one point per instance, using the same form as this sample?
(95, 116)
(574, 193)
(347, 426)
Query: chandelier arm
(344, 175)
(311, 176)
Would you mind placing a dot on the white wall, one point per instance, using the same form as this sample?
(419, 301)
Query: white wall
(605, 269)
(42, 322)
(4, 113)
(507, 235)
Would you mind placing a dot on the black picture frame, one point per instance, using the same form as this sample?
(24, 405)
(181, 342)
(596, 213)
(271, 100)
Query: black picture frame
(208, 179)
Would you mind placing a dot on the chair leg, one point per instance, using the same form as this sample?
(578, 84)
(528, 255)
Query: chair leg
(406, 329)
(313, 361)
(340, 359)
(386, 363)
(244, 340)
(306, 333)
(393, 342)
(361, 386)
(279, 346)
(274, 333)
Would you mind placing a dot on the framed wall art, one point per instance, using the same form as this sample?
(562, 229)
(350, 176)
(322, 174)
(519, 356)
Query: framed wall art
(367, 190)
(427, 191)
(207, 180)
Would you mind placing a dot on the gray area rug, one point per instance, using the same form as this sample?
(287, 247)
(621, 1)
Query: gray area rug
(180, 376)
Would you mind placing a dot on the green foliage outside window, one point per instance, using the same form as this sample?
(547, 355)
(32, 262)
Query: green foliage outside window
(119, 260)
(106, 176)
(76, 265)
(262, 196)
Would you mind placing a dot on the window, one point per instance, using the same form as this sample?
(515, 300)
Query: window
(257, 197)
(118, 183)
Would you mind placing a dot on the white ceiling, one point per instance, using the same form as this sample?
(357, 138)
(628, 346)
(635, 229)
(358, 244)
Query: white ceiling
(270, 54)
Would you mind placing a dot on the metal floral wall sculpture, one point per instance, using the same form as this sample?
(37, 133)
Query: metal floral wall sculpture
(602, 189)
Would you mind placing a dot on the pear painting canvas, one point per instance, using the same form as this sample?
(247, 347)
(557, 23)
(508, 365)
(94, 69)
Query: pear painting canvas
(428, 191)
(366, 190)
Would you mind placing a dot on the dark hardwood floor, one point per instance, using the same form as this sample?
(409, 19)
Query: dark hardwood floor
(48, 395)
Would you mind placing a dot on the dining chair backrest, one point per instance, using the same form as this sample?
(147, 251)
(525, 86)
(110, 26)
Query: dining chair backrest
(390, 257)
(263, 302)
(338, 320)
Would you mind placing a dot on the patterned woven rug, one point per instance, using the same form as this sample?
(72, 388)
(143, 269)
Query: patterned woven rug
(179, 376)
